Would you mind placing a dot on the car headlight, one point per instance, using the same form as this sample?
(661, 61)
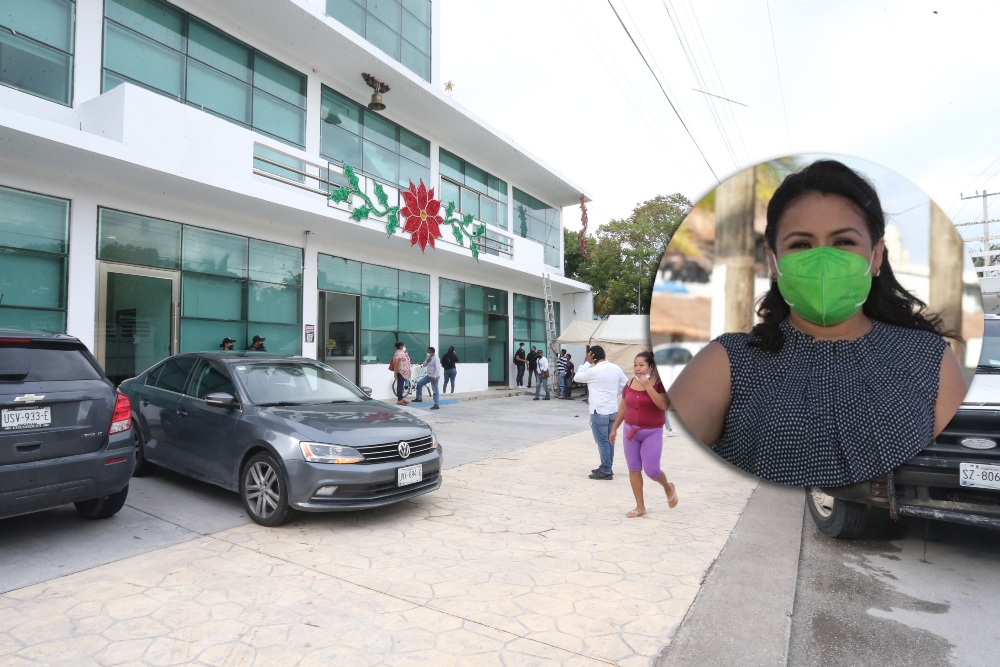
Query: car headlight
(434, 440)
(316, 452)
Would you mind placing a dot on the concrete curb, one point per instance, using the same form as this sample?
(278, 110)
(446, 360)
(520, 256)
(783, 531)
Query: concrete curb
(742, 615)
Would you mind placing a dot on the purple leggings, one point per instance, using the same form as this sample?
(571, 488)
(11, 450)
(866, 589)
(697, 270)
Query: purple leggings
(642, 450)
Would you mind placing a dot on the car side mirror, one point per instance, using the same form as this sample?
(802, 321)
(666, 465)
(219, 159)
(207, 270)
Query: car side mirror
(367, 391)
(221, 400)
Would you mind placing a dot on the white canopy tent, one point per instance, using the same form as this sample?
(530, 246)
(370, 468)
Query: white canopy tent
(621, 336)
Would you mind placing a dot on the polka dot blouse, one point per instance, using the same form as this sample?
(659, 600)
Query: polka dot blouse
(830, 413)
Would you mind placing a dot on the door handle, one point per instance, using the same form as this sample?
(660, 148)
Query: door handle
(182, 413)
(144, 402)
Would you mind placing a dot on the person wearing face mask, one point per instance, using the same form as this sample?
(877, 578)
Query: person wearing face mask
(400, 366)
(847, 375)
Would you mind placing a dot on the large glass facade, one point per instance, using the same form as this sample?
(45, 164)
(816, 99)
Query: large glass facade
(463, 318)
(352, 134)
(529, 321)
(400, 28)
(36, 47)
(539, 222)
(157, 46)
(473, 190)
(395, 305)
(34, 244)
(231, 286)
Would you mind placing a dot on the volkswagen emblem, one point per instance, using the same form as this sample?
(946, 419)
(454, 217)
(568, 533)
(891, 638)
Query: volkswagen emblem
(978, 443)
(404, 449)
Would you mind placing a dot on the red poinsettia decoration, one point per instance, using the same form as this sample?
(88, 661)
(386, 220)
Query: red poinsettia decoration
(421, 215)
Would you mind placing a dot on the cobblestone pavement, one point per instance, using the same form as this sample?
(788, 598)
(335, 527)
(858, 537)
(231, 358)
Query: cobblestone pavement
(517, 560)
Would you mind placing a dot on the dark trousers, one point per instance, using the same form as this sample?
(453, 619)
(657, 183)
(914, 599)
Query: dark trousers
(399, 387)
(520, 374)
(532, 372)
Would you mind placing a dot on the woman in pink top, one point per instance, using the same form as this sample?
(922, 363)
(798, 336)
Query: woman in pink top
(644, 414)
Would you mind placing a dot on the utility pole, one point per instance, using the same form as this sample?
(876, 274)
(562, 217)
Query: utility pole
(734, 247)
(988, 260)
(947, 257)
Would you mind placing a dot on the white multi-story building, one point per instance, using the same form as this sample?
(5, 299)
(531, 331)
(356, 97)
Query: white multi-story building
(164, 172)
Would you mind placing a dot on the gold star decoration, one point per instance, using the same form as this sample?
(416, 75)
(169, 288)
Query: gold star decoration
(449, 86)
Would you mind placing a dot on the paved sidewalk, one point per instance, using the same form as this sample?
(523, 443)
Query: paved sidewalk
(517, 560)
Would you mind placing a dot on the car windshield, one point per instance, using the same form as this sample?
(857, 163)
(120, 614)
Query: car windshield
(990, 356)
(291, 383)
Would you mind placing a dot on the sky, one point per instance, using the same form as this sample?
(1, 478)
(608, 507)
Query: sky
(910, 87)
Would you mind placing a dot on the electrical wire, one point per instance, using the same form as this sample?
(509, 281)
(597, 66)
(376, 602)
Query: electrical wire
(781, 88)
(683, 124)
(718, 78)
(617, 83)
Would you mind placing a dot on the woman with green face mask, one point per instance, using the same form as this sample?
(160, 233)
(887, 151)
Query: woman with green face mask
(846, 376)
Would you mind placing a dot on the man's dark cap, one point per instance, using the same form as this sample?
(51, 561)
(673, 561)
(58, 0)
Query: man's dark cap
(259, 339)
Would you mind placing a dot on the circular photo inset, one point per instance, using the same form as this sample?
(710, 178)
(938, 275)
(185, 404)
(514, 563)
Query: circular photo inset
(820, 320)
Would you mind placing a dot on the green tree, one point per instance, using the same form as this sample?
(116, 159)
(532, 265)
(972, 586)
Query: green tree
(624, 255)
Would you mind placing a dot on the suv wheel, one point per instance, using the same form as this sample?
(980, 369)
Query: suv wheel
(264, 491)
(838, 518)
(142, 466)
(102, 508)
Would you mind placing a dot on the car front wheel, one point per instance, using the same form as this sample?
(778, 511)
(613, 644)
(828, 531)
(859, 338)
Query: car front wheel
(102, 508)
(264, 491)
(838, 518)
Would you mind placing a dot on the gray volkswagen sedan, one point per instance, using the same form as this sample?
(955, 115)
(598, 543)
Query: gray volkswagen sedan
(286, 433)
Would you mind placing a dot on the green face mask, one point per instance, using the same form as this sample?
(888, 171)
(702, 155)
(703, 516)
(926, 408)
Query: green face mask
(824, 285)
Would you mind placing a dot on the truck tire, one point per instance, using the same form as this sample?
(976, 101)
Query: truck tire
(837, 518)
(102, 508)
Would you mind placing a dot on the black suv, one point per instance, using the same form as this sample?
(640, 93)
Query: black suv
(65, 431)
(956, 478)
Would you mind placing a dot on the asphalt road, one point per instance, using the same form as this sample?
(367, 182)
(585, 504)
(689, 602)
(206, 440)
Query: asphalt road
(166, 508)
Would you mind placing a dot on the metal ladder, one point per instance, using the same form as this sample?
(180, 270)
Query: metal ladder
(550, 324)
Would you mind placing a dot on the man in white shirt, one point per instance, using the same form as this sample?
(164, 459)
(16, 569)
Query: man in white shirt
(605, 382)
(543, 376)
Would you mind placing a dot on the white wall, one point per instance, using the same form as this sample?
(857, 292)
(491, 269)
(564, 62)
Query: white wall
(470, 377)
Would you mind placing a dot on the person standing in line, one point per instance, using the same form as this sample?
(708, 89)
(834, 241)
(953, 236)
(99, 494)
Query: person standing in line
(519, 361)
(257, 345)
(644, 412)
(605, 382)
(532, 364)
(570, 368)
(448, 362)
(543, 377)
(227, 344)
(433, 365)
(400, 366)
(560, 373)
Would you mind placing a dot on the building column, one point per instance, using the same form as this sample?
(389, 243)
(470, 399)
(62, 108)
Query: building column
(81, 273)
(310, 296)
(947, 259)
(314, 102)
(87, 50)
(434, 335)
(511, 343)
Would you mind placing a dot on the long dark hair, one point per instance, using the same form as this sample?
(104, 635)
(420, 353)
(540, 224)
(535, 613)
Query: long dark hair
(887, 301)
(648, 357)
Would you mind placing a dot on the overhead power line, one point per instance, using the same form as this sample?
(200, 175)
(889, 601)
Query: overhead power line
(683, 124)
(719, 96)
(781, 88)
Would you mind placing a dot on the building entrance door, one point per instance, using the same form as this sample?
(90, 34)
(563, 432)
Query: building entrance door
(497, 353)
(135, 320)
(339, 336)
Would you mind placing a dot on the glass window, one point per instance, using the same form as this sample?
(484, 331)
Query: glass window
(474, 191)
(539, 222)
(451, 166)
(411, 172)
(414, 317)
(217, 253)
(159, 47)
(211, 378)
(275, 263)
(212, 297)
(382, 22)
(452, 293)
(206, 335)
(174, 374)
(450, 192)
(450, 322)
(268, 302)
(377, 347)
(380, 162)
(34, 242)
(339, 275)
(379, 314)
(340, 146)
(414, 148)
(280, 338)
(470, 203)
(266, 153)
(414, 287)
(380, 281)
(36, 47)
(136, 239)
(475, 298)
(488, 211)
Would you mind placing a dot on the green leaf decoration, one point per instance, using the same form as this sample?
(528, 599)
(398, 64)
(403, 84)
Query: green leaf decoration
(449, 209)
(458, 234)
(481, 231)
(393, 223)
(351, 178)
(475, 252)
(361, 212)
(383, 198)
(467, 219)
(340, 195)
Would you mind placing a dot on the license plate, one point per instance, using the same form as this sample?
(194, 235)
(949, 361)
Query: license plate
(981, 475)
(410, 474)
(26, 418)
